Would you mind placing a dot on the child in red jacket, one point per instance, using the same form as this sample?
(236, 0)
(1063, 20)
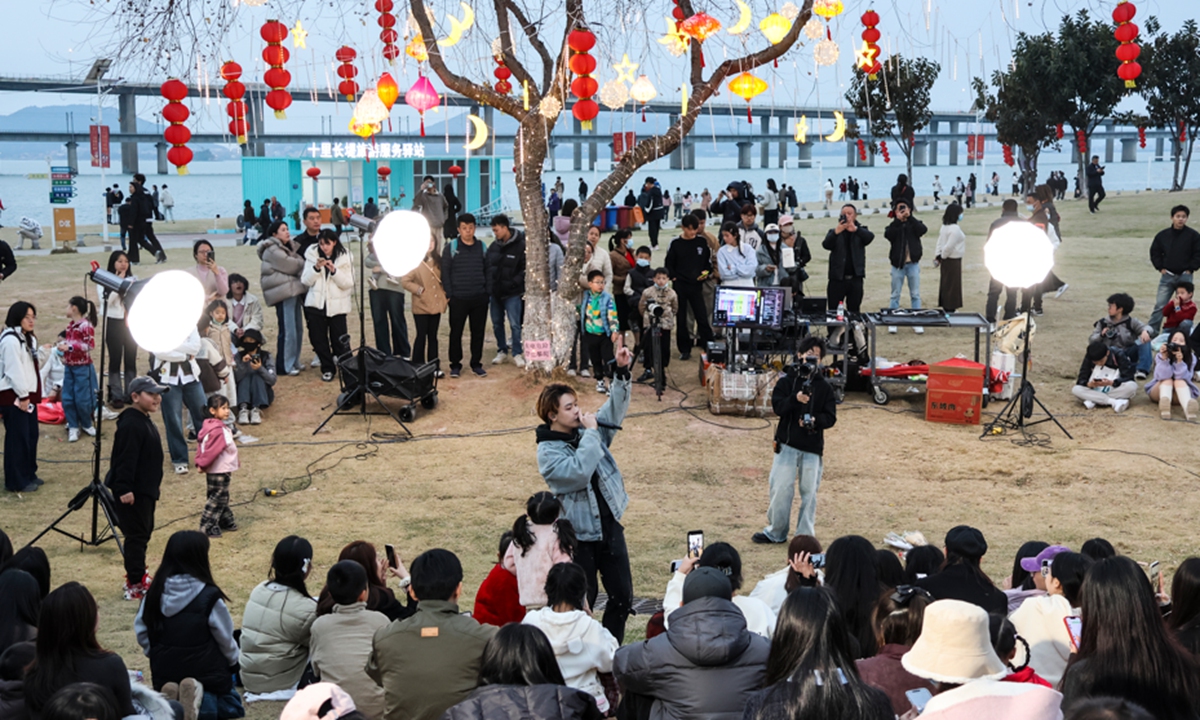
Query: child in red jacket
(498, 601)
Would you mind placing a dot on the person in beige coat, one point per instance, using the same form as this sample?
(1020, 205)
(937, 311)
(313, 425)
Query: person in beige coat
(329, 275)
(342, 641)
(276, 625)
(428, 304)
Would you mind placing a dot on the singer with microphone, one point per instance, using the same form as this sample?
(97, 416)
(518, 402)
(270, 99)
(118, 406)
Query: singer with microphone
(574, 459)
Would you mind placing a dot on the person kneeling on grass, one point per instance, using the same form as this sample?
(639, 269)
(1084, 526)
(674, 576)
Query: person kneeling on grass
(1105, 378)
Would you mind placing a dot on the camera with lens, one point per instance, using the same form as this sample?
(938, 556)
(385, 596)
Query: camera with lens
(1173, 348)
(655, 311)
(805, 370)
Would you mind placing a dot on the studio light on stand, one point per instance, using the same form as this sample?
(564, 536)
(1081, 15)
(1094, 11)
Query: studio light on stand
(1019, 255)
(160, 310)
(400, 240)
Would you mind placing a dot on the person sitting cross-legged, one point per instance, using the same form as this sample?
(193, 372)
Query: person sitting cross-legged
(1105, 378)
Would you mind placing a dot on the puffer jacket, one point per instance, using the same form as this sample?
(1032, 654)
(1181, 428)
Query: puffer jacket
(582, 647)
(506, 267)
(332, 292)
(529, 702)
(275, 633)
(568, 461)
(280, 270)
(704, 668)
(12, 700)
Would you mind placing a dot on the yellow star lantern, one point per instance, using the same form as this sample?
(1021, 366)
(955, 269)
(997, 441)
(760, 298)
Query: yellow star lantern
(748, 87)
(864, 57)
(802, 129)
(676, 40)
(828, 9)
(625, 69)
(299, 36)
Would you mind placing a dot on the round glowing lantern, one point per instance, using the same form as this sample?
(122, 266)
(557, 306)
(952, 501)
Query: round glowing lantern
(643, 92)
(748, 87)
(165, 312)
(176, 133)
(421, 97)
(828, 9)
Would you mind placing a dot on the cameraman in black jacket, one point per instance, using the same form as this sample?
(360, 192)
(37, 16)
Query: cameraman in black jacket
(806, 407)
(847, 245)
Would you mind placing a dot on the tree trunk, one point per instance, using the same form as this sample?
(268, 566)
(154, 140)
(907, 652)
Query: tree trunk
(1176, 185)
(529, 154)
(1028, 162)
(1188, 160)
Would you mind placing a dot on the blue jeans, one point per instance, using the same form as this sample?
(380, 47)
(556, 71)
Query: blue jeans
(221, 707)
(191, 394)
(911, 271)
(788, 464)
(290, 316)
(79, 395)
(1142, 356)
(514, 308)
(387, 313)
(1166, 288)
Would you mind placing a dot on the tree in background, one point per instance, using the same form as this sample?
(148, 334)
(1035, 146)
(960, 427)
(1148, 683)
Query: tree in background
(1019, 107)
(1170, 84)
(895, 106)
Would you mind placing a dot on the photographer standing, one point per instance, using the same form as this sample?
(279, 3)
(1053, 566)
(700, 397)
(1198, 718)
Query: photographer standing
(806, 407)
(847, 245)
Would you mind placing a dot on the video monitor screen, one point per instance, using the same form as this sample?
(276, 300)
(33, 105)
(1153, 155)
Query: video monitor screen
(735, 306)
(772, 303)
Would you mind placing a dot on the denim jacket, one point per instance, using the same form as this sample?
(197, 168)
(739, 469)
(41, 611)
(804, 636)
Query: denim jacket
(567, 463)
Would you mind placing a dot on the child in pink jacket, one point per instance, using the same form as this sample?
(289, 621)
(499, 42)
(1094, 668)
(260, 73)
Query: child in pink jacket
(540, 540)
(217, 457)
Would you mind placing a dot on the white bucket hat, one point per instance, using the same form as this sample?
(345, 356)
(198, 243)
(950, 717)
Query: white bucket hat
(955, 645)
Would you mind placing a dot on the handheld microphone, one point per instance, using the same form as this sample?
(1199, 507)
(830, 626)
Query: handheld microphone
(608, 426)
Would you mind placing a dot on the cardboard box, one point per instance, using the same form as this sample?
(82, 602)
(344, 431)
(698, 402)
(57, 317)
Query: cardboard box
(955, 408)
(956, 375)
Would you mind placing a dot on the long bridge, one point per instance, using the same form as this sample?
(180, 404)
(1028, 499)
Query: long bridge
(773, 126)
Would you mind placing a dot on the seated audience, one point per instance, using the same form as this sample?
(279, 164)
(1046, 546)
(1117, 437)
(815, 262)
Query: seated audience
(32, 560)
(811, 671)
(955, 651)
(254, 375)
(430, 661)
(851, 574)
(276, 624)
(20, 609)
(774, 588)
(1004, 642)
(13, 662)
(1098, 549)
(540, 539)
(722, 556)
(897, 619)
(185, 628)
(961, 578)
(705, 665)
(6, 549)
(498, 600)
(245, 310)
(1126, 650)
(518, 678)
(83, 701)
(1127, 335)
(1039, 620)
(1174, 368)
(1022, 583)
(1184, 619)
(582, 646)
(380, 598)
(1106, 708)
(921, 562)
(889, 569)
(1105, 378)
(341, 641)
(67, 652)
(321, 701)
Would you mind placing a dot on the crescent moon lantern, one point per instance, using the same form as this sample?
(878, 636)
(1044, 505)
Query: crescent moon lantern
(839, 128)
(457, 27)
(481, 133)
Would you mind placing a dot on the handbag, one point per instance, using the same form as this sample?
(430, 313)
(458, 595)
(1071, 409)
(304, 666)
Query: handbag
(637, 215)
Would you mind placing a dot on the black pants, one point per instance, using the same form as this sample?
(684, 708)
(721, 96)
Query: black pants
(143, 236)
(1033, 296)
(20, 447)
(387, 313)
(328, 337)
(664, 347)
(995, 287)
(653, 220)
(691, 298)
(122, 350)
(425, 344)
(848, 289)
(463, 311)
(1096, 196)
(599, 350)
(610, 558)
(622, 302)
(137, 523)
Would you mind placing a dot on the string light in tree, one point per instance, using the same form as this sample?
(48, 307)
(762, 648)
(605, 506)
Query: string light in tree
(868, 57)
(1128, 51)
(276, 78)
(584, 86)
(699, 27)
(176, 133)
(421, 97)
(387, 33)
(826, 52)
(550, 107)
(346, 71)
(748, 87)
(234, 91)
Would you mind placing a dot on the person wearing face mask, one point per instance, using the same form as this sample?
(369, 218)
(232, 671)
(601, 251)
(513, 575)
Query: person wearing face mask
(771, 272)
(905, 234)
(640, 277)
(951, 246)
(801, 255)
(806, 407)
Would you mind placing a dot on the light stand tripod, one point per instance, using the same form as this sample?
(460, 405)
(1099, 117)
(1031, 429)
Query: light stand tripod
(100, 496)
(1019, 408)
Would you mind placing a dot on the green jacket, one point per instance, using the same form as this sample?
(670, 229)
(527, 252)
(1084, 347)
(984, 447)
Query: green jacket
(428, 662)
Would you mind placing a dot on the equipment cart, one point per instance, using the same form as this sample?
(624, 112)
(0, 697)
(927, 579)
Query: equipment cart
(939, 320)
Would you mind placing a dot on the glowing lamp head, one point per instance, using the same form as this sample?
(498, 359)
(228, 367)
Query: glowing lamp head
(165, 312)
(401, 240)
(1019, 254)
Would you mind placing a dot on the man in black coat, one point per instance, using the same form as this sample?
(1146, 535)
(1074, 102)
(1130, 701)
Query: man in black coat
(689, 262)
(847, 245)
(905, 234)
(651, 202)
(961, 578)
(506, 278)
(134, 477)
(729, 203)
(464, 278)
(1095, 184)
(141, 231)
(1175, 254)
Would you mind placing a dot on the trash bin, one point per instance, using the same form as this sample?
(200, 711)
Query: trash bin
(623, 220)
(610, 218)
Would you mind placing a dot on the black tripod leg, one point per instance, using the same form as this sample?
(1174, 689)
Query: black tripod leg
(1050, 416)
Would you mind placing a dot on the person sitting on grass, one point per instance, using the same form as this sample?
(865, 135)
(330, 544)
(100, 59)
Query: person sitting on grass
(1180, 312)
(13, 662)
(341, 642)
(797, 572)
(498, 600)
(1039, 620)
(82, 701)
(724, 557)
(1174, 368)
(254, 375)
(380, 597)
(961, 577)
(541, 539)
(1105, 378)
(1120, 331)
(1004, 641)
(276, 624)
(897, 619)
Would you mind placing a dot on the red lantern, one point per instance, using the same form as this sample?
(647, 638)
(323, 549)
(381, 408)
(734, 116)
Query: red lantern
(421, 97)
(313, 172)
(1182, 133)
(862, 150)
(455, 171)
(1081, 142)
(276, 78)
(583, 87)
(387, 21)
(887, 158)
(698, 27)
(346, 71)
(234, 90)
(384, 171)
(1058, 131)
(176, 133)
(871, 36)
(1128, 51)
(502, 74)
(1142, 136)
(1008, 156)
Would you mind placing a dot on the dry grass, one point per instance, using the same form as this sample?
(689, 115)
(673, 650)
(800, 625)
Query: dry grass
(886, 469)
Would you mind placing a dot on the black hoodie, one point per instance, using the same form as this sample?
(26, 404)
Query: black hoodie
(137, 456)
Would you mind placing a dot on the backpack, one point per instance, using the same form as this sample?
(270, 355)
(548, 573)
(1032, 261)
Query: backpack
(452, 247)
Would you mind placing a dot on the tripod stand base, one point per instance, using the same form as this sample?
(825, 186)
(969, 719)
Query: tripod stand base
(102, 500)
(1016, 414)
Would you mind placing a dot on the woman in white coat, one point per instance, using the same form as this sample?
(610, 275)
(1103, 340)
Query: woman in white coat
(328, 273)
(951, 246)
(737, 262)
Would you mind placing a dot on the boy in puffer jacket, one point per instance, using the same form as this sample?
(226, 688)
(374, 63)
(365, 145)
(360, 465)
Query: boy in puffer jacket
(217, 457)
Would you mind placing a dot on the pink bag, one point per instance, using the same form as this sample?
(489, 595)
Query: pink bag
(51, 413)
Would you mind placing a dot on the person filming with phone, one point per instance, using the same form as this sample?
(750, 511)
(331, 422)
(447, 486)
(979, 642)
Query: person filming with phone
(212, 277)
(806, 407)
(847, 245)
(574, 460)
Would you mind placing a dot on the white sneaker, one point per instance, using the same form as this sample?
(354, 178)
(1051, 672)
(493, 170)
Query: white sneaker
(571, 372)
(892, 329)
(919, 330)
(1089, 404)
(72, 434)
(91, 431)
(1061, 290)
(255, 417)
(1119, 405)
(293, 372)
(181, 469)
(246, 439)
(243, 417)
(500, 358)
(600, 387)
(108, 414)
(519, 360)
(585, 373)
(316, 362)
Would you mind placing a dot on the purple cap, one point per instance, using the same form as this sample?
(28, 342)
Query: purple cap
(1034, 564)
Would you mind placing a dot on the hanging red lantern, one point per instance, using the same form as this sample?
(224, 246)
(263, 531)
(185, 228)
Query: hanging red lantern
(313, 172)
(1142, 136)
(176, 133)
(862, 150)
(1182, 133)
(1008, 156)
(869, 61)
(454, 171)
(887, 158)
(276, 78)
(234, 91)
(387, 33)
(421, 97)
(1128, 51)
(583, 87)
(699, 27)
(1058, 131)
(1081, 142)
(347, 72)
(383, 171)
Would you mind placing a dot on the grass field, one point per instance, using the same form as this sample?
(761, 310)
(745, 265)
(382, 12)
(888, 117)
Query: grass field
(466, 475)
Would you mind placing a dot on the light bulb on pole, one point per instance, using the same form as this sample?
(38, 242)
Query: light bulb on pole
(1019, 254)
(166, 310)
(400, 238)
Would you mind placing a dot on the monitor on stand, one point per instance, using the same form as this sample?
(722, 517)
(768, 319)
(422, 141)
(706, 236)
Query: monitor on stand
(736, 306)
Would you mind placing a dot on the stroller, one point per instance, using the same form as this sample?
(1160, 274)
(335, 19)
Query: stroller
(29, 229)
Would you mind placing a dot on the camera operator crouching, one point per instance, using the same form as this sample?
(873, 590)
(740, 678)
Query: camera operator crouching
(806, 407)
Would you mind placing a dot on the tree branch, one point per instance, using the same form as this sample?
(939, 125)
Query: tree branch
(536, 41)
(520, 74)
